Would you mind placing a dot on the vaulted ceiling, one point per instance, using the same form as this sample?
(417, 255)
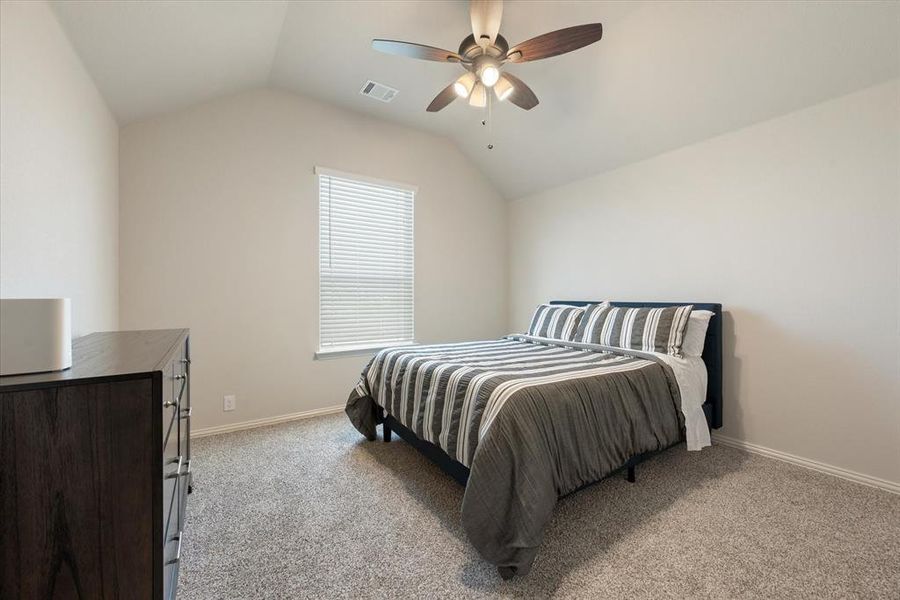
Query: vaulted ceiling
(665, 74)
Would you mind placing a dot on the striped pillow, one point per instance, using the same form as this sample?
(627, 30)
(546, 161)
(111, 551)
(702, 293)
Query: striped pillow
(557, 321)
(591, 321)
(645, 329)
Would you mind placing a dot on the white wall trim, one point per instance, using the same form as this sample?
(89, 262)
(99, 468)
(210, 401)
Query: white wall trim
(882, 484)
(306, 414)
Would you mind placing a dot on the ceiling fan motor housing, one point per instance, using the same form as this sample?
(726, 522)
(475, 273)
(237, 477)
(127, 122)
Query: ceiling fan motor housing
(470, 50)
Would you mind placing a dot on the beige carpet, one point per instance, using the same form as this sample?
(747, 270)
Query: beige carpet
(311, 510)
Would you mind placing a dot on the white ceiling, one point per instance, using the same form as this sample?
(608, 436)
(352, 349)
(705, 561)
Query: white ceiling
(666, 74)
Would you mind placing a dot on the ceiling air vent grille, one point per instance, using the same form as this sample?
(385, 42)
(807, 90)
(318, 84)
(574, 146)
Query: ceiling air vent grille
(379, 91)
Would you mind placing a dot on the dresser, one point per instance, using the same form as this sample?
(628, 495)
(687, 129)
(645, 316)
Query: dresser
(95, 470)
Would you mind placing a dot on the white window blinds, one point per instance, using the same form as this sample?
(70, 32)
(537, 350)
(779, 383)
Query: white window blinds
(365, 262)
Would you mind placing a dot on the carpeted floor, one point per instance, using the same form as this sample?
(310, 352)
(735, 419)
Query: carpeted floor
(311, 510)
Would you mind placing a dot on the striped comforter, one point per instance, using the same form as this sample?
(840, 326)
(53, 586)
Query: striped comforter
(532, 418)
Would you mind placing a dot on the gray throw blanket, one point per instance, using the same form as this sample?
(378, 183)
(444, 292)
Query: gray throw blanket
(532, 418)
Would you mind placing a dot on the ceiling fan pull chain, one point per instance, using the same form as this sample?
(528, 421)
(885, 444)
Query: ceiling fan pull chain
(490, 121)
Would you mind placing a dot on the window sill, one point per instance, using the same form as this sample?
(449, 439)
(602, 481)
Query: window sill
(360, 351)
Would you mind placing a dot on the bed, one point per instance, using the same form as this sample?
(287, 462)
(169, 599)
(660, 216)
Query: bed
(524, 420)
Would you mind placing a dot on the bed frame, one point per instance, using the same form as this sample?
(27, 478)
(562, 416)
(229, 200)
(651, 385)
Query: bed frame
(712, 408)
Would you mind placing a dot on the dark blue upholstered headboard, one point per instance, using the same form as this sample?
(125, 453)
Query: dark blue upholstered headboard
(712, 350)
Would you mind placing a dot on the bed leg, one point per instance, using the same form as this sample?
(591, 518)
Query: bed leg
(629, 476)
(387, 431)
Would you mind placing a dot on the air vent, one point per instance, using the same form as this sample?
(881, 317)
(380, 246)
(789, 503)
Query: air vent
(379, 91)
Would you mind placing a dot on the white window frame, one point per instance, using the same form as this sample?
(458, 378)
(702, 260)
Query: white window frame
(364, 348)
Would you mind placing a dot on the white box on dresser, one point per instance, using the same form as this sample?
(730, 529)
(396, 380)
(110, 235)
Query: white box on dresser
(35, 335)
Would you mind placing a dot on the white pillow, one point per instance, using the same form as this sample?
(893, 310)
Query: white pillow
(695, 334)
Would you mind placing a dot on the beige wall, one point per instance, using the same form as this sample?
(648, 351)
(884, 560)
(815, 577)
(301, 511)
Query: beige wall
(793, 225)
(58, 172)
(218, 223)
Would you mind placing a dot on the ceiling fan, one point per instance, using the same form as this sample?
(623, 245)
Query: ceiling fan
(484, 53)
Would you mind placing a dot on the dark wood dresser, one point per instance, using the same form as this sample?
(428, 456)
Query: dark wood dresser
(95, 468)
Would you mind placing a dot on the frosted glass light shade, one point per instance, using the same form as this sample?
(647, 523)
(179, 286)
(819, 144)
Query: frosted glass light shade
(478, 97)
(503, 88)
(489, 75)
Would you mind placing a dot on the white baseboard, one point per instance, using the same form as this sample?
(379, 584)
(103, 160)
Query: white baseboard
(882, 484)
(306, 414)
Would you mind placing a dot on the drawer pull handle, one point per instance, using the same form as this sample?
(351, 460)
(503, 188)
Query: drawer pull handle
(169, 403)
(183, 379)
(186, 412)
(177, 472)
(176, 538)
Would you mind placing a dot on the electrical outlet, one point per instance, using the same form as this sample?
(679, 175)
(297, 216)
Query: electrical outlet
(228, 403)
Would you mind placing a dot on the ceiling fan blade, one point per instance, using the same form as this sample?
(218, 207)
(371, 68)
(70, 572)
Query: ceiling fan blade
(521, 96)
(556, 42)
(485, 16)
(415, 51)
(440, 101)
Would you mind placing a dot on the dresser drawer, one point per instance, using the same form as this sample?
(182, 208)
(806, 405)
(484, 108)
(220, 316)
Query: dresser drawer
(184, 445)
(169, 408)
(178, 376)
(173, 466)
(170, 432)
(171, 561)
(174, 389)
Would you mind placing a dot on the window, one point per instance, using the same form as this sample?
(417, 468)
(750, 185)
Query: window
(365, 263)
